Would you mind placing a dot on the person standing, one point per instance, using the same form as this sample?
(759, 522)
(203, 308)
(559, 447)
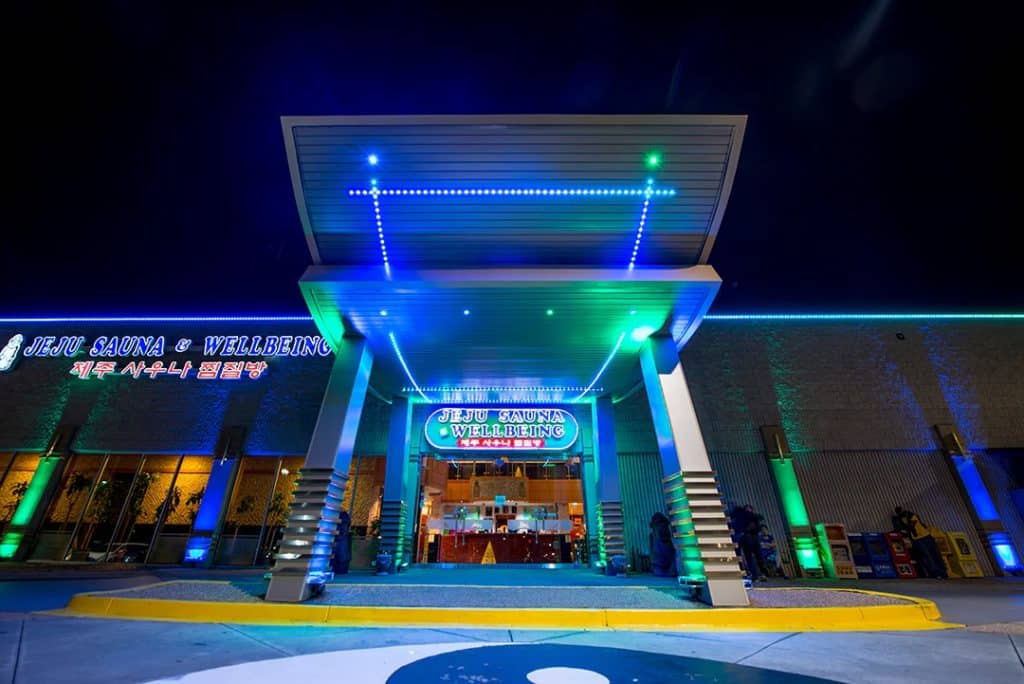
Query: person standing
(922, 542)
(747, 525)
(663, 551)
(342, 556)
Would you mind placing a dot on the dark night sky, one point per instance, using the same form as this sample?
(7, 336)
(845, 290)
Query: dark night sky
(150, 174)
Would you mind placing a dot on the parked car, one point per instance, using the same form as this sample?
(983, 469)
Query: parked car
(129, 552)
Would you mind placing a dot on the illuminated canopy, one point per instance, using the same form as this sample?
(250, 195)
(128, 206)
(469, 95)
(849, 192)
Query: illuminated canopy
(532, 254)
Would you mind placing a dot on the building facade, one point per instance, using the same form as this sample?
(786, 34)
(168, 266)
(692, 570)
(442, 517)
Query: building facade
(502, 310)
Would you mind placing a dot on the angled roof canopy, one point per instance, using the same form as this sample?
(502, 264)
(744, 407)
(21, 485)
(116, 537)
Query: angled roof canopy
(510, 251)
(472, 191)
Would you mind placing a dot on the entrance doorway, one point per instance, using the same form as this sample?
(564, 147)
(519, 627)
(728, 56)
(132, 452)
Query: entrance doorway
(503, 510)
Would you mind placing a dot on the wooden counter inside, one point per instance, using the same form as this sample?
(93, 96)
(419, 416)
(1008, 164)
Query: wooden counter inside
(507, 548)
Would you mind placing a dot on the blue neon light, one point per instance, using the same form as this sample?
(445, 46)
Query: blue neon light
(977, 492)
(242, 318)
(372, 160)
(214, 496)
(512, 192)
(643, 219)
(1006, 556)
(600, 372)
(405, 367)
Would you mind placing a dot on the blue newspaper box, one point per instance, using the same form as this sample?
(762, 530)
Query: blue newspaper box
(871, 556)
(881, 561)
(861, 556)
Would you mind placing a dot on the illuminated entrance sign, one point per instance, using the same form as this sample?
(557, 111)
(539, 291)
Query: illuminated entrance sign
(491, 429)
(234, 357)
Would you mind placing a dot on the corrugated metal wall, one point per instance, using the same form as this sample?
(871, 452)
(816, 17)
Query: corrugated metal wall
(746, 478)
(640, 476)
(861, 488)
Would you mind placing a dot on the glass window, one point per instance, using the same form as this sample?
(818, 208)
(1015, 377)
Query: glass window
(67, 506)
(243, 519)
(280, 504)
(182, 505)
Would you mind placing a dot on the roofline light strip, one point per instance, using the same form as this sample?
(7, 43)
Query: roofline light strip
(405, 367)
(865, 317)
(600, 372)
(213, 318)
(504, 192)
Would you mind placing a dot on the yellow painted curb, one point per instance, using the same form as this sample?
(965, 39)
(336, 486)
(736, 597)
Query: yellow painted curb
(914, 614)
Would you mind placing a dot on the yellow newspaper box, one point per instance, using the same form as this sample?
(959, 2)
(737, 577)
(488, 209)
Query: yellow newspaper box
(961, 558)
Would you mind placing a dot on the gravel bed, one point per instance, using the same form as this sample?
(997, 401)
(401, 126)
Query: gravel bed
(185, 590)
(816, 598)
(503, 597)
(999, 628)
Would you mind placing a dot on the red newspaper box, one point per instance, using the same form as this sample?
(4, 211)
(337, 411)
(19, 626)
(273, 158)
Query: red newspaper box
(900, 549)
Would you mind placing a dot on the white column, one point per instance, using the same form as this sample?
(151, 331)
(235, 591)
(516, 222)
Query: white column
(706, 554)
(303, 560)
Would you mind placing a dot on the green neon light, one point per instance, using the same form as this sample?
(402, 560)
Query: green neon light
(807, 553)
(796, 514)
(27, 508)
(789, 490)
(9, 546)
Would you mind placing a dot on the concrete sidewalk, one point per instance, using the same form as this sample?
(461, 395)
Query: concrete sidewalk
(54, 650)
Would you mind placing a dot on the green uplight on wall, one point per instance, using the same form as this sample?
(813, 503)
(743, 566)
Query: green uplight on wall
(789, 490)
(653, 160)
(550, 312)
(27, 508)
(806, 547)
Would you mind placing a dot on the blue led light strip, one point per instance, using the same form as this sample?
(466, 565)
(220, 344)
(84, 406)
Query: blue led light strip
(640, 226)
(508, 192)
(710, 317)
(375, 194)
(600, 372)
(865, 317)
(405, 367)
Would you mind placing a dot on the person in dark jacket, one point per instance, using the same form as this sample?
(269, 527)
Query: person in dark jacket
(663, 553)
(922, 543)
(342, 545)
(746, 524)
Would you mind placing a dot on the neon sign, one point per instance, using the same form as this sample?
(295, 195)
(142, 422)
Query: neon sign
(9, 354)
(91, 358)
(489, 429)
(154, 346)
(207, 370)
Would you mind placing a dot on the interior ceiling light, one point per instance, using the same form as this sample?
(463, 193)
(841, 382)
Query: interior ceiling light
(642, 333)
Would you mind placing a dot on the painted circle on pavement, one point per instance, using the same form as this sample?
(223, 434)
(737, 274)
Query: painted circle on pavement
(515, 663)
